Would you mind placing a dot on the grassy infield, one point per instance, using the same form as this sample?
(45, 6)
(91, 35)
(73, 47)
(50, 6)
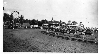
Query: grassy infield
(26, 40)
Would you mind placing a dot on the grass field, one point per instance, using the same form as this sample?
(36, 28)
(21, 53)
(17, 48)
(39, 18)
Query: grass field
(32, 40)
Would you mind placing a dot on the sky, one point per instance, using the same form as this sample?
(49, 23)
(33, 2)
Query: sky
(85, 11)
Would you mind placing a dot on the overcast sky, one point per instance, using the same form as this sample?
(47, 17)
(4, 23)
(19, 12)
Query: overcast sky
(79, 10)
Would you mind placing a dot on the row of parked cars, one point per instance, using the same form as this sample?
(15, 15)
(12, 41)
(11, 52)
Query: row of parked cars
(73, 33)
(69, 32)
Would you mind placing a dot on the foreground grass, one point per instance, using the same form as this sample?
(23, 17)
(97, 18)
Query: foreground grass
(32, 40)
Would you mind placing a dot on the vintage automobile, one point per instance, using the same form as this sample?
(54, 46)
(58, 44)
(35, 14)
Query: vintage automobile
(45, 26)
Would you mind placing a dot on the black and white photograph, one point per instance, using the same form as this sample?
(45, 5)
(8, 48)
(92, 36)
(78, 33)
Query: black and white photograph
(50, 26)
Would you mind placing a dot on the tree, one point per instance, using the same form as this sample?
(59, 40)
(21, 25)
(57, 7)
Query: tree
(26, 21)
(21, 20)
(40, 23)
(34, 22)
(14, 17)
(44, 21)
(15, 14)
(6, 17)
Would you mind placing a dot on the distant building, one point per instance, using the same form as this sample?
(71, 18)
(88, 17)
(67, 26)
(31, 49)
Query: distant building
(25, 25)
(56, 23)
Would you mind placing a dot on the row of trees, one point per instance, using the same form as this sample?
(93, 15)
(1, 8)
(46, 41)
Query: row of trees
(11, 19)
(15, 18)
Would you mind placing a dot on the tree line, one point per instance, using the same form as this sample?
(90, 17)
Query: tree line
(15, 18)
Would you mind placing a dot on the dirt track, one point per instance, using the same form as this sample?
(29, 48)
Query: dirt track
(32, 40)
